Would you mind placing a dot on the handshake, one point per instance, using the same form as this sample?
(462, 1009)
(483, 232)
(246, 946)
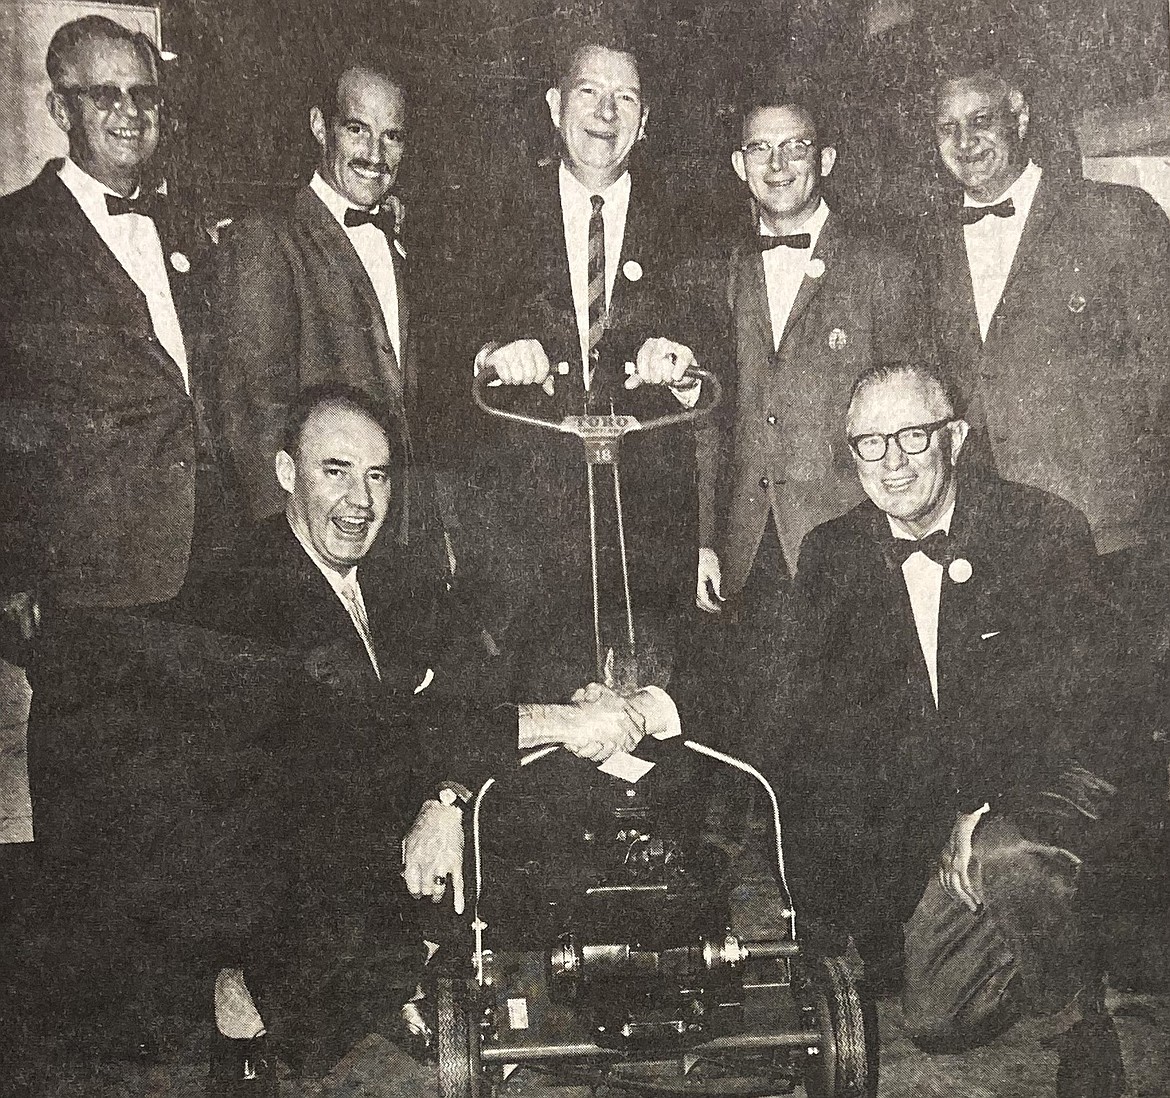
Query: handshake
(597, 723)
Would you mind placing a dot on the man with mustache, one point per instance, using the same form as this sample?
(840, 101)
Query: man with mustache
(321, 292)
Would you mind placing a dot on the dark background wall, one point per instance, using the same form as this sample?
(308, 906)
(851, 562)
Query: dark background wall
(243, 82)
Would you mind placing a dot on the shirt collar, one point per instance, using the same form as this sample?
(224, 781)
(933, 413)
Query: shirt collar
(90, 192)
(1021, 192)
(336, 203)
(813, 224)
(573, 188)
(339, 581)
(943, 524)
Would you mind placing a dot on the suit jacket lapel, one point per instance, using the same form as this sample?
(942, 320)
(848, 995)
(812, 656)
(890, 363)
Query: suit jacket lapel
(1046, 204)
(896, 607)
(827, 251)
(752, 298)
(956, 291)
(94, 254)
(335, 247)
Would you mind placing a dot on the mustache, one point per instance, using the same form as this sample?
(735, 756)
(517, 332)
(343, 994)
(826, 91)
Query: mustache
(379, 166)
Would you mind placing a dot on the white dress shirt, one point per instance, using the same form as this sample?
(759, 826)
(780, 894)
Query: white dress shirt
(373, 249)
(576, 210)
(923, 578)
(346, 587)
(134, 240)
(992, 242)
(785, 269)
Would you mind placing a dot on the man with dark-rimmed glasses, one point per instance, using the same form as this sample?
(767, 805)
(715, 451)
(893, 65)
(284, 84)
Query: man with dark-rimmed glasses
(950, 675)
(98, 466)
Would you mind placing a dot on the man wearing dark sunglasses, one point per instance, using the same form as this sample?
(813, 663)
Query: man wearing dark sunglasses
(951, 689)
(98, 465)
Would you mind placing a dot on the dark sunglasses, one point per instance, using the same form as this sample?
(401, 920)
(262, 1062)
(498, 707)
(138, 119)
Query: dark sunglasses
(146, 97)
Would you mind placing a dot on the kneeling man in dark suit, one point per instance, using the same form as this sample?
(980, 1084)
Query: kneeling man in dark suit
(950, 669)
(363, 730)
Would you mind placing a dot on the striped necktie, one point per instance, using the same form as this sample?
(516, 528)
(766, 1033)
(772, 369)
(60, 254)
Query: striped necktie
(596, 273)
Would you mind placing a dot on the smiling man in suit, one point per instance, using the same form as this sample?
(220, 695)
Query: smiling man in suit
(321, 292)
(99, 464)
(364, 730)
(813, 302)
(951, 671)
(585, 281)
(1049, 301)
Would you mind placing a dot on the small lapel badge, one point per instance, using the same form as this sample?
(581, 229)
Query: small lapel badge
(838, 340)
(815, 268)
(1076, 303)
(960, 570)
(632, 269)
(399, 247)
(180, 262)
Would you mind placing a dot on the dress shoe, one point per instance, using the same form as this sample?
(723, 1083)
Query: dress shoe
(242, 1068)
(1090, 1063)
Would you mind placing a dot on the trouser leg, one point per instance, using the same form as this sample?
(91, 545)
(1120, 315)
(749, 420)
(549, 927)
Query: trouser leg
(970, 975)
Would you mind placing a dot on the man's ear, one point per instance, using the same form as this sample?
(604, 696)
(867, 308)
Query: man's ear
(318, 126)
(1019, 108)
(737, 164)
(828, 159)
(59, 111)
(959, 429)
(553, 98)
(286, 470)
(642, 127)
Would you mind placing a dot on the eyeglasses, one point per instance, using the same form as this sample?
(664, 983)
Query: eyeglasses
(911, 440)
(146, 97)
(795, 148)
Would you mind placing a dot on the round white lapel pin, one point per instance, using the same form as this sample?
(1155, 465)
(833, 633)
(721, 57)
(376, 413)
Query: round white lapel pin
(960, 570)
(632, 269)
(838, 340)
(1077, 303)
(180, 262)
(816, 268)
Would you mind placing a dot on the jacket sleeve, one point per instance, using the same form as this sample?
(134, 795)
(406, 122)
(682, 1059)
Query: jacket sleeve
(254, 355)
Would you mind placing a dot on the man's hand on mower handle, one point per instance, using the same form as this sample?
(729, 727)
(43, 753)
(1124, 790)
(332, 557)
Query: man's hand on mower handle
(521, 362)
(662, 362)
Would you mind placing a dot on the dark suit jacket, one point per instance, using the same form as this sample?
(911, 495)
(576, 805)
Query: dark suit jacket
(536, 479)
(1074, 368)
(275, 596)
(294, 307)
(784, 448)
(1024, 652)
(98, 435)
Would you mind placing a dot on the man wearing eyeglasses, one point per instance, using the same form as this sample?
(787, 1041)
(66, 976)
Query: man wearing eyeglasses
(813, 302)
(950, 674)
(99, 457)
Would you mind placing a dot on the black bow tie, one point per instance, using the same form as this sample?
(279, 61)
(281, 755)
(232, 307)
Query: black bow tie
(383, 219)
(145, 204)
(937, 546)
(973, 214)
(794, 240)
